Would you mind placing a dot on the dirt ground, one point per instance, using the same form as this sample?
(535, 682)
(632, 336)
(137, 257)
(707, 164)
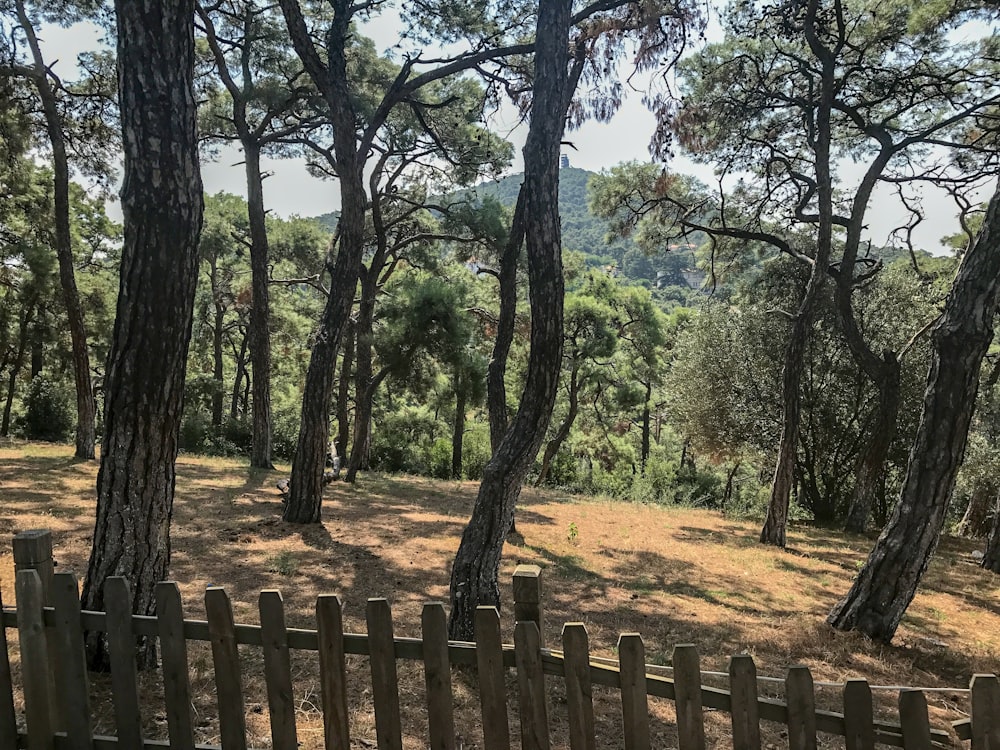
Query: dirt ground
(675, 575)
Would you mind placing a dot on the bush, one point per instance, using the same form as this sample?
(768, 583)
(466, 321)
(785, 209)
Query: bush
(439, 458)
(48, 412)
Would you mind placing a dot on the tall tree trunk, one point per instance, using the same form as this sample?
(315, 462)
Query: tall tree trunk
(888, 581)
(991, 556)
(86, 406)
(458, 432)
(218, 363)
(305, 497)
(39, 334)
(496, 389)
(364, 393)
(241, 372)
(260, 312)
(776, 522)
(553, 446)
(344, 393)
(868, 481)
(17, 363)
(477, 563)
(976, 521)
(162, 206)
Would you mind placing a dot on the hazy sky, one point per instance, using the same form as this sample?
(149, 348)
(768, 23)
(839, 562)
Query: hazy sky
(290, 190)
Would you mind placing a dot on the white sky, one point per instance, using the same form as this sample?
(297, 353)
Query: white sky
(289, 189)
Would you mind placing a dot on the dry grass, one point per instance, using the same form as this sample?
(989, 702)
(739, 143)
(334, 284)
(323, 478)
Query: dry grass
(675, 575)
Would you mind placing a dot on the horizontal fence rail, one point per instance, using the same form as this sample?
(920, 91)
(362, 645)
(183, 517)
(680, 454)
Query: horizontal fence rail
(55, 691)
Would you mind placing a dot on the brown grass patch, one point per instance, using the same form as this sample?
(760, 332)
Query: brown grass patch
(675, 575)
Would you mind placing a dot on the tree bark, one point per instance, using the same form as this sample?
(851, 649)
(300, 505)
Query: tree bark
(496, 389)
(241, 372)
(775, 524)
(553, 446)
(17, 363)
(474, 573)
(869, 481)
(305, 496)
(364, 393)
(218, 363)
(458, 432)
(162, 206)
(888, 581)
(86, 406)
(991, 556)
(262, 446)
(976, 521)
(344, 393)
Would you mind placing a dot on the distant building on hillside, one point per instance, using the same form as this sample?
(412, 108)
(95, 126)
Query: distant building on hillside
(563, 161)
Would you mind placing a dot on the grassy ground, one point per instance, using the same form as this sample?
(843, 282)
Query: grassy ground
(675, 575)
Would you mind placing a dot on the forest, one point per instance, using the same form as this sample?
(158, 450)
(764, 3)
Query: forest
(746, 345)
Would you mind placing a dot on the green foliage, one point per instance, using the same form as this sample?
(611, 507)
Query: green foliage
(48, 411)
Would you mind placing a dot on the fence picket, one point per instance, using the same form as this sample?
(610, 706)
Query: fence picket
(579, 700)
(121, 654)
(71, 662)
(859, 716)
(801, 701)
(385, 680)
(985, 713)
(437, 677)
(34, 651)
(531, 686)
(228, 674)
(635, 704)
(173, 653)
(914, 721)
(687, 689)
(277, 670)
(8, 719)
(743, 695)
(333, 673)
(492, 689)
(527, 591)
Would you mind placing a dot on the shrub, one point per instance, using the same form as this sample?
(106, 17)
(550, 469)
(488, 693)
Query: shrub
(48, 413)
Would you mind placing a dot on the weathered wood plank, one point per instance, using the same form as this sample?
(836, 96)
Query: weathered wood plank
(34, 651)
(527, 589)
(228, 673)
(385, 680)
(121, 654)
(985, 713)
(914, 721)
(687, 687)
(635, 704)
(801, 700)
(744, 710)
(859, 716)
(531, 687)
(277, 671)
(437, 677)
(71, 662)
(492, 690)
(333, 673)
(173, 654)
(579, 693)
(8, 719)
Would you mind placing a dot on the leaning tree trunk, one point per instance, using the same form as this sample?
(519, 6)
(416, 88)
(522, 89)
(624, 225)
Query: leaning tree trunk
(976, 520)
(305, 496)
(364, 392)
(86, 406)
(218, 360)
(776, 522)
(868, 481)
(477, 563)
(17, 363)
(496, 388)
(553, 446)
(644, 443)
(991, 556)
(241, 372)
(162, 206)
(344, 394)
(458, 431)
(888, 581)
(262, 446)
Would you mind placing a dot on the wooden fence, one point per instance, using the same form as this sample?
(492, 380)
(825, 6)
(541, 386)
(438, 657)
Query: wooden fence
(56, 695)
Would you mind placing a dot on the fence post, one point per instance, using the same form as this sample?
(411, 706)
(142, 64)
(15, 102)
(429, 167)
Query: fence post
(33, 551)
(528, 597)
